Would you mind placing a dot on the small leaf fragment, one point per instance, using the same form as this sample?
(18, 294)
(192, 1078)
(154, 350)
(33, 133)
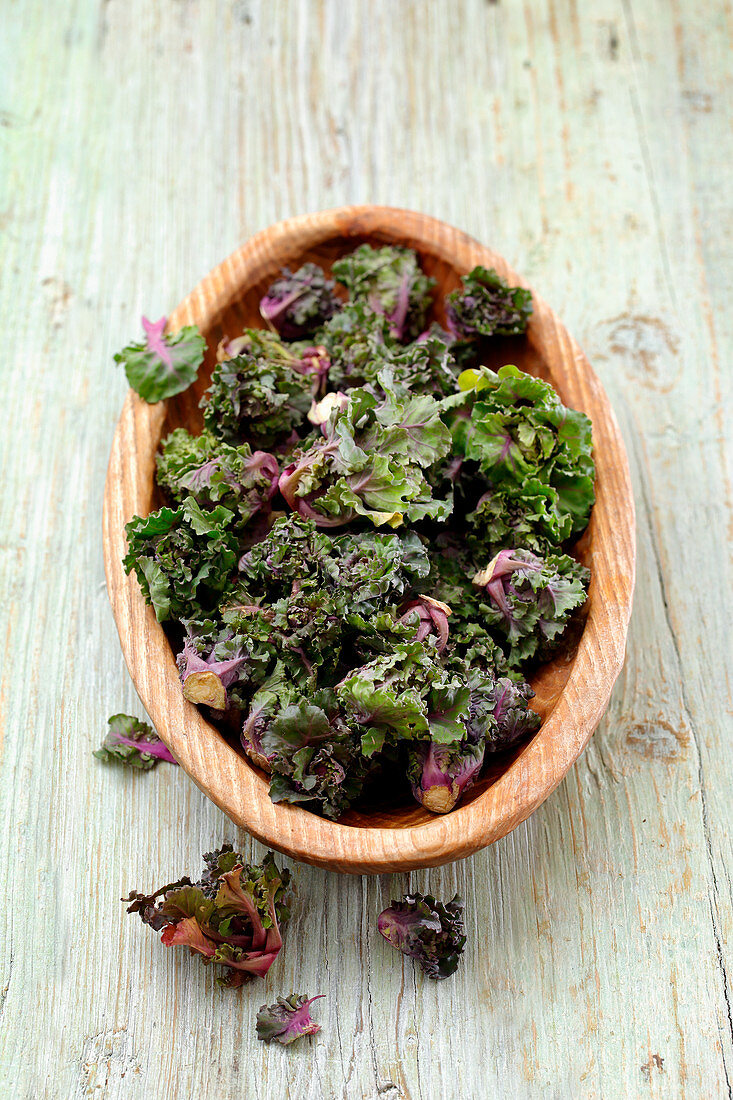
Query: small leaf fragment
(165, 364)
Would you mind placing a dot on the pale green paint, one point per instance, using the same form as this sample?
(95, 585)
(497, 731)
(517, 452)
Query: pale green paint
(140, 143)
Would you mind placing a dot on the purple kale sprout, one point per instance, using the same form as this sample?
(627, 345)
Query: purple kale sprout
(426, 930)
(432, 616)
(266, 464)
(440, 775)
(531, 599)
(512, 715)
(486, 305)
(231, 917)
(292, 476)
(132, 742)
(391, 282)
(215, 472)
(314, 360)
(255, 724)
(496, 577)
(166, 364)
(205, 679)
(297, 304)
(287, 1020)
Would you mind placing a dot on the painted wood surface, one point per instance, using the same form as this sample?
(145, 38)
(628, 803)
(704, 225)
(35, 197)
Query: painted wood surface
(139, 144)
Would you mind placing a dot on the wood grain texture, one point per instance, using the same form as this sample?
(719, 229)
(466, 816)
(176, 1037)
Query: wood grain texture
(587, 142)
(571, 692)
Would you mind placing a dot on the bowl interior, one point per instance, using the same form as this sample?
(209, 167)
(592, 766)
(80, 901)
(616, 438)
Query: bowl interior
(240, 309)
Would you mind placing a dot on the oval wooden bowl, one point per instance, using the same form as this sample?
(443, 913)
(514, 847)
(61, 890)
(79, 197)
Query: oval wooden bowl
(572, 692)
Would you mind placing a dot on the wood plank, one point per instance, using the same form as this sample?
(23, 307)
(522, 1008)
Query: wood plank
(586, 143)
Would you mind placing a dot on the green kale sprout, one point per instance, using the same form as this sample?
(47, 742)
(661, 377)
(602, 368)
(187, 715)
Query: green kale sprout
(183, 558)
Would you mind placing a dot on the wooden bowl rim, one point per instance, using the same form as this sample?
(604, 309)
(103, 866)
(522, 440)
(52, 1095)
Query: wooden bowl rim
(227, 778)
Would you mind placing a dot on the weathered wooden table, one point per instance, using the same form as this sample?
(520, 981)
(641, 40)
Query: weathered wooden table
(586, 142)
